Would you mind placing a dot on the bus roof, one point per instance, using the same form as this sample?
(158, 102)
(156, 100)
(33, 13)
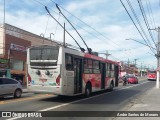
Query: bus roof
(86, 55)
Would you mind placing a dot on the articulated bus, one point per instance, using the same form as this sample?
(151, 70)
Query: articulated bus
(151, 75)
(66, 71)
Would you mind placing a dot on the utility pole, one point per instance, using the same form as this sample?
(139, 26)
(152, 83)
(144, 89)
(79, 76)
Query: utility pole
(64, 43)
(158, 56)
(107, 54)
(135, 64)
(128, 65)
(141, 70)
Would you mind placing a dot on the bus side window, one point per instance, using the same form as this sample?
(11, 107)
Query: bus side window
(96, 67)
(69, 62)
(88, 66)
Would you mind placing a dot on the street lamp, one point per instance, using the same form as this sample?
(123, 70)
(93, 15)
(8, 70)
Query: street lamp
(141, 43)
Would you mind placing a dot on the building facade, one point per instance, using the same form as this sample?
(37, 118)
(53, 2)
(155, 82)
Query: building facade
(13, 50)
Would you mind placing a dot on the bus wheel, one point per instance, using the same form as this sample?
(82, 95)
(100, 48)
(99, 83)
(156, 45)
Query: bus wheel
(88, 90)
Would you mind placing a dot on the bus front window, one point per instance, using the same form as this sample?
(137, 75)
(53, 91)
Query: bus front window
(44, 55)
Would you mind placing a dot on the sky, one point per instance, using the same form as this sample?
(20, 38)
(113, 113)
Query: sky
(103, 24)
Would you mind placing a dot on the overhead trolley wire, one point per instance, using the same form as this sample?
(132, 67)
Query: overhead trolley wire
(145, 19)
(136, 25)
(81, 21)
(134, 13)
(82, 49)
(86, 24)
(150, 16)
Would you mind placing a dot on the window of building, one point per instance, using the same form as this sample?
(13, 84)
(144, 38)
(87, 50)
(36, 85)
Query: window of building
(17, 64)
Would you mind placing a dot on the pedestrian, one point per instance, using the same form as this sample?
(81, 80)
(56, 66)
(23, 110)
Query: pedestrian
(124, 80)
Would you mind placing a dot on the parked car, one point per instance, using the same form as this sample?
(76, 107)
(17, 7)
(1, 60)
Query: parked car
(9, 87)
(132, 79)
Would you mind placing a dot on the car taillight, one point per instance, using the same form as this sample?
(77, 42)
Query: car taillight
(29, 79)
(58, 80)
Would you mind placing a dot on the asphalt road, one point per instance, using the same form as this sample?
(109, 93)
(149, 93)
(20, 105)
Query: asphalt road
(119, 99)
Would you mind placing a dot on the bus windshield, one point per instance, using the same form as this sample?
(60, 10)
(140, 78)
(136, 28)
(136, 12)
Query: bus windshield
(44, 55)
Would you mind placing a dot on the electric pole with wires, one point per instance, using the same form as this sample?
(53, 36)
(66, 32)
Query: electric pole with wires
(158, 56)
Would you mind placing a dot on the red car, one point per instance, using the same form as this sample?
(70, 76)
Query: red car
(132, 79)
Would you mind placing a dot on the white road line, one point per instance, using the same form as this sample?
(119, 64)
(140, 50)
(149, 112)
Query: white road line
(133, 85)
(58, 106)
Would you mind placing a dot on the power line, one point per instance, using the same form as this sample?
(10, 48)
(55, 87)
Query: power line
(82, 22)
(135, 24)
(150, 17)
(82, 49)
(134, 13)
(44, 5)
(56, 26)
(85, 23)
(145, 19)
(89, 49)
(46, 26)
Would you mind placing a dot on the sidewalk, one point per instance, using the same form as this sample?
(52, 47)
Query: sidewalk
(150, 101)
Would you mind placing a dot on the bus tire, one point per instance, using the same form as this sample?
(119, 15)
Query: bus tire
(88, 90)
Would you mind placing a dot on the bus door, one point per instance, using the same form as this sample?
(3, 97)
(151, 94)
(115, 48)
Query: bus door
(77, 75)
(103, 73)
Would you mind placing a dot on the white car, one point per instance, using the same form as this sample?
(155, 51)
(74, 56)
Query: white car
(9, 87)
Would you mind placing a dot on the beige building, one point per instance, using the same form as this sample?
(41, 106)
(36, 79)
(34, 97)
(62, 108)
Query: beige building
(13, 44)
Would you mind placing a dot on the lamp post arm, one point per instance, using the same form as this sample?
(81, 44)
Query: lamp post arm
(142, 43)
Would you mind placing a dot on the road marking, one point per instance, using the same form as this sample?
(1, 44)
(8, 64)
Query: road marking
(61, 105)
(24, 99)
(133, 85)
(58, 106)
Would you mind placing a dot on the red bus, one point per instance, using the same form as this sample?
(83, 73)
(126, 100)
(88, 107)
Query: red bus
(65, 71)
(151, 75)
